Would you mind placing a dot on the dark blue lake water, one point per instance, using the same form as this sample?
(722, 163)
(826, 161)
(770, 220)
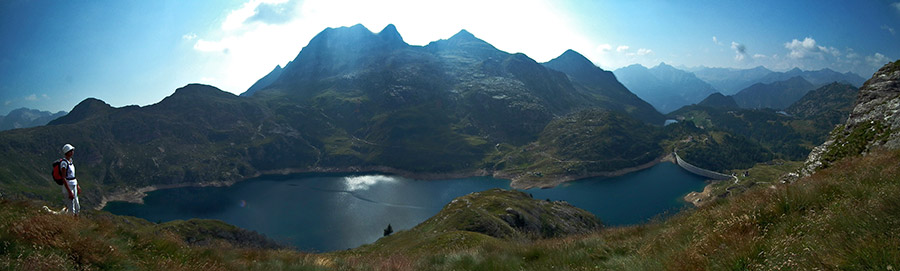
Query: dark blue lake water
(326, 212)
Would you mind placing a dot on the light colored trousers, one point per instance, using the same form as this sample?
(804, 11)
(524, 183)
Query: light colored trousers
(72, 205)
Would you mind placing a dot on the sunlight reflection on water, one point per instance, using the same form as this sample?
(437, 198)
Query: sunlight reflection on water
(355, 183)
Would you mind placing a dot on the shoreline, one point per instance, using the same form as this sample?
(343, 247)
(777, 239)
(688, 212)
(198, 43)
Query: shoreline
(516, 182)
(698, 199)
(136, 195)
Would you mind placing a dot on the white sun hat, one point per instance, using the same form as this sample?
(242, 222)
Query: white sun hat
(66, 148)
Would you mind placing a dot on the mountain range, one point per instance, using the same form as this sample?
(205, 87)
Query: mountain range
(775, 95)
(730, 81)
(25, 118)
(839, 211)
(717, 134)
(668, 88)
(356, 100)
(353, 100)
(664, 86)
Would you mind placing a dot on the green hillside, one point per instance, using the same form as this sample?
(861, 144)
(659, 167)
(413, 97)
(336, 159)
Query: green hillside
(723, 138)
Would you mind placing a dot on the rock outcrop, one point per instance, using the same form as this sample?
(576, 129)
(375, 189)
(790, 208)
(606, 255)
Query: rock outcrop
(512, 215)
(873, 123)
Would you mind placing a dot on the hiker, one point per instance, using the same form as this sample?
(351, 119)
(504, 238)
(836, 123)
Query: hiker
(70, 186)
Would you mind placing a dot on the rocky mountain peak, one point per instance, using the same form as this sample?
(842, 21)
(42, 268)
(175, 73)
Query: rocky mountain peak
(634, 67)
(391, 35)
(463, 35)
(573, 59)
(467, 44)
(664, 66)
(873, 123)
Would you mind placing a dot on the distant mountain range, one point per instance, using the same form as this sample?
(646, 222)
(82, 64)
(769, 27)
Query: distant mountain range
(775, 95)
(664, 86)
(730, 81)
(817, 78)
(25, 118)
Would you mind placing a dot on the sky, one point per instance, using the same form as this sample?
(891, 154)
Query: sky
(54, 54)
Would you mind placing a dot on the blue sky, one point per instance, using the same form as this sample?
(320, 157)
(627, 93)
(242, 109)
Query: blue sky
(57, 53)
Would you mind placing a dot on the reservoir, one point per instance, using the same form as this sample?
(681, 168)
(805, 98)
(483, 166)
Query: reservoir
(327, 212)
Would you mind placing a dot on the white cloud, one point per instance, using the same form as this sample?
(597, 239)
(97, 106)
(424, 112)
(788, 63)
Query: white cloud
(31, 97)
(888, 29)
(189, 36)
(45, 96)
(830, 50)
(759, 56)
(716, 41)
(851, 54)
(803, 49)
(236, 18)
(740, 51)
(274, 13)
(604, 48)
(611, 56)
(809, 48)
(896, 6)
(877, 60)
(809, 54)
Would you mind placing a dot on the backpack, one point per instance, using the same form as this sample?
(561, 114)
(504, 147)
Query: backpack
(58, 175)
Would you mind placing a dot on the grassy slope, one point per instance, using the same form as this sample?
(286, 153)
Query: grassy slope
(34, 240)
(765, 174)
(843, 217)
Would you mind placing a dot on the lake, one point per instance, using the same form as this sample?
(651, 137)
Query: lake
(327, 212)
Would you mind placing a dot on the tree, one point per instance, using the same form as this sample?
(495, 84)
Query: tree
(388, 230)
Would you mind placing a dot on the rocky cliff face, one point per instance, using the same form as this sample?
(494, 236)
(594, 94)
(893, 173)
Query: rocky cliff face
(873, 123)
